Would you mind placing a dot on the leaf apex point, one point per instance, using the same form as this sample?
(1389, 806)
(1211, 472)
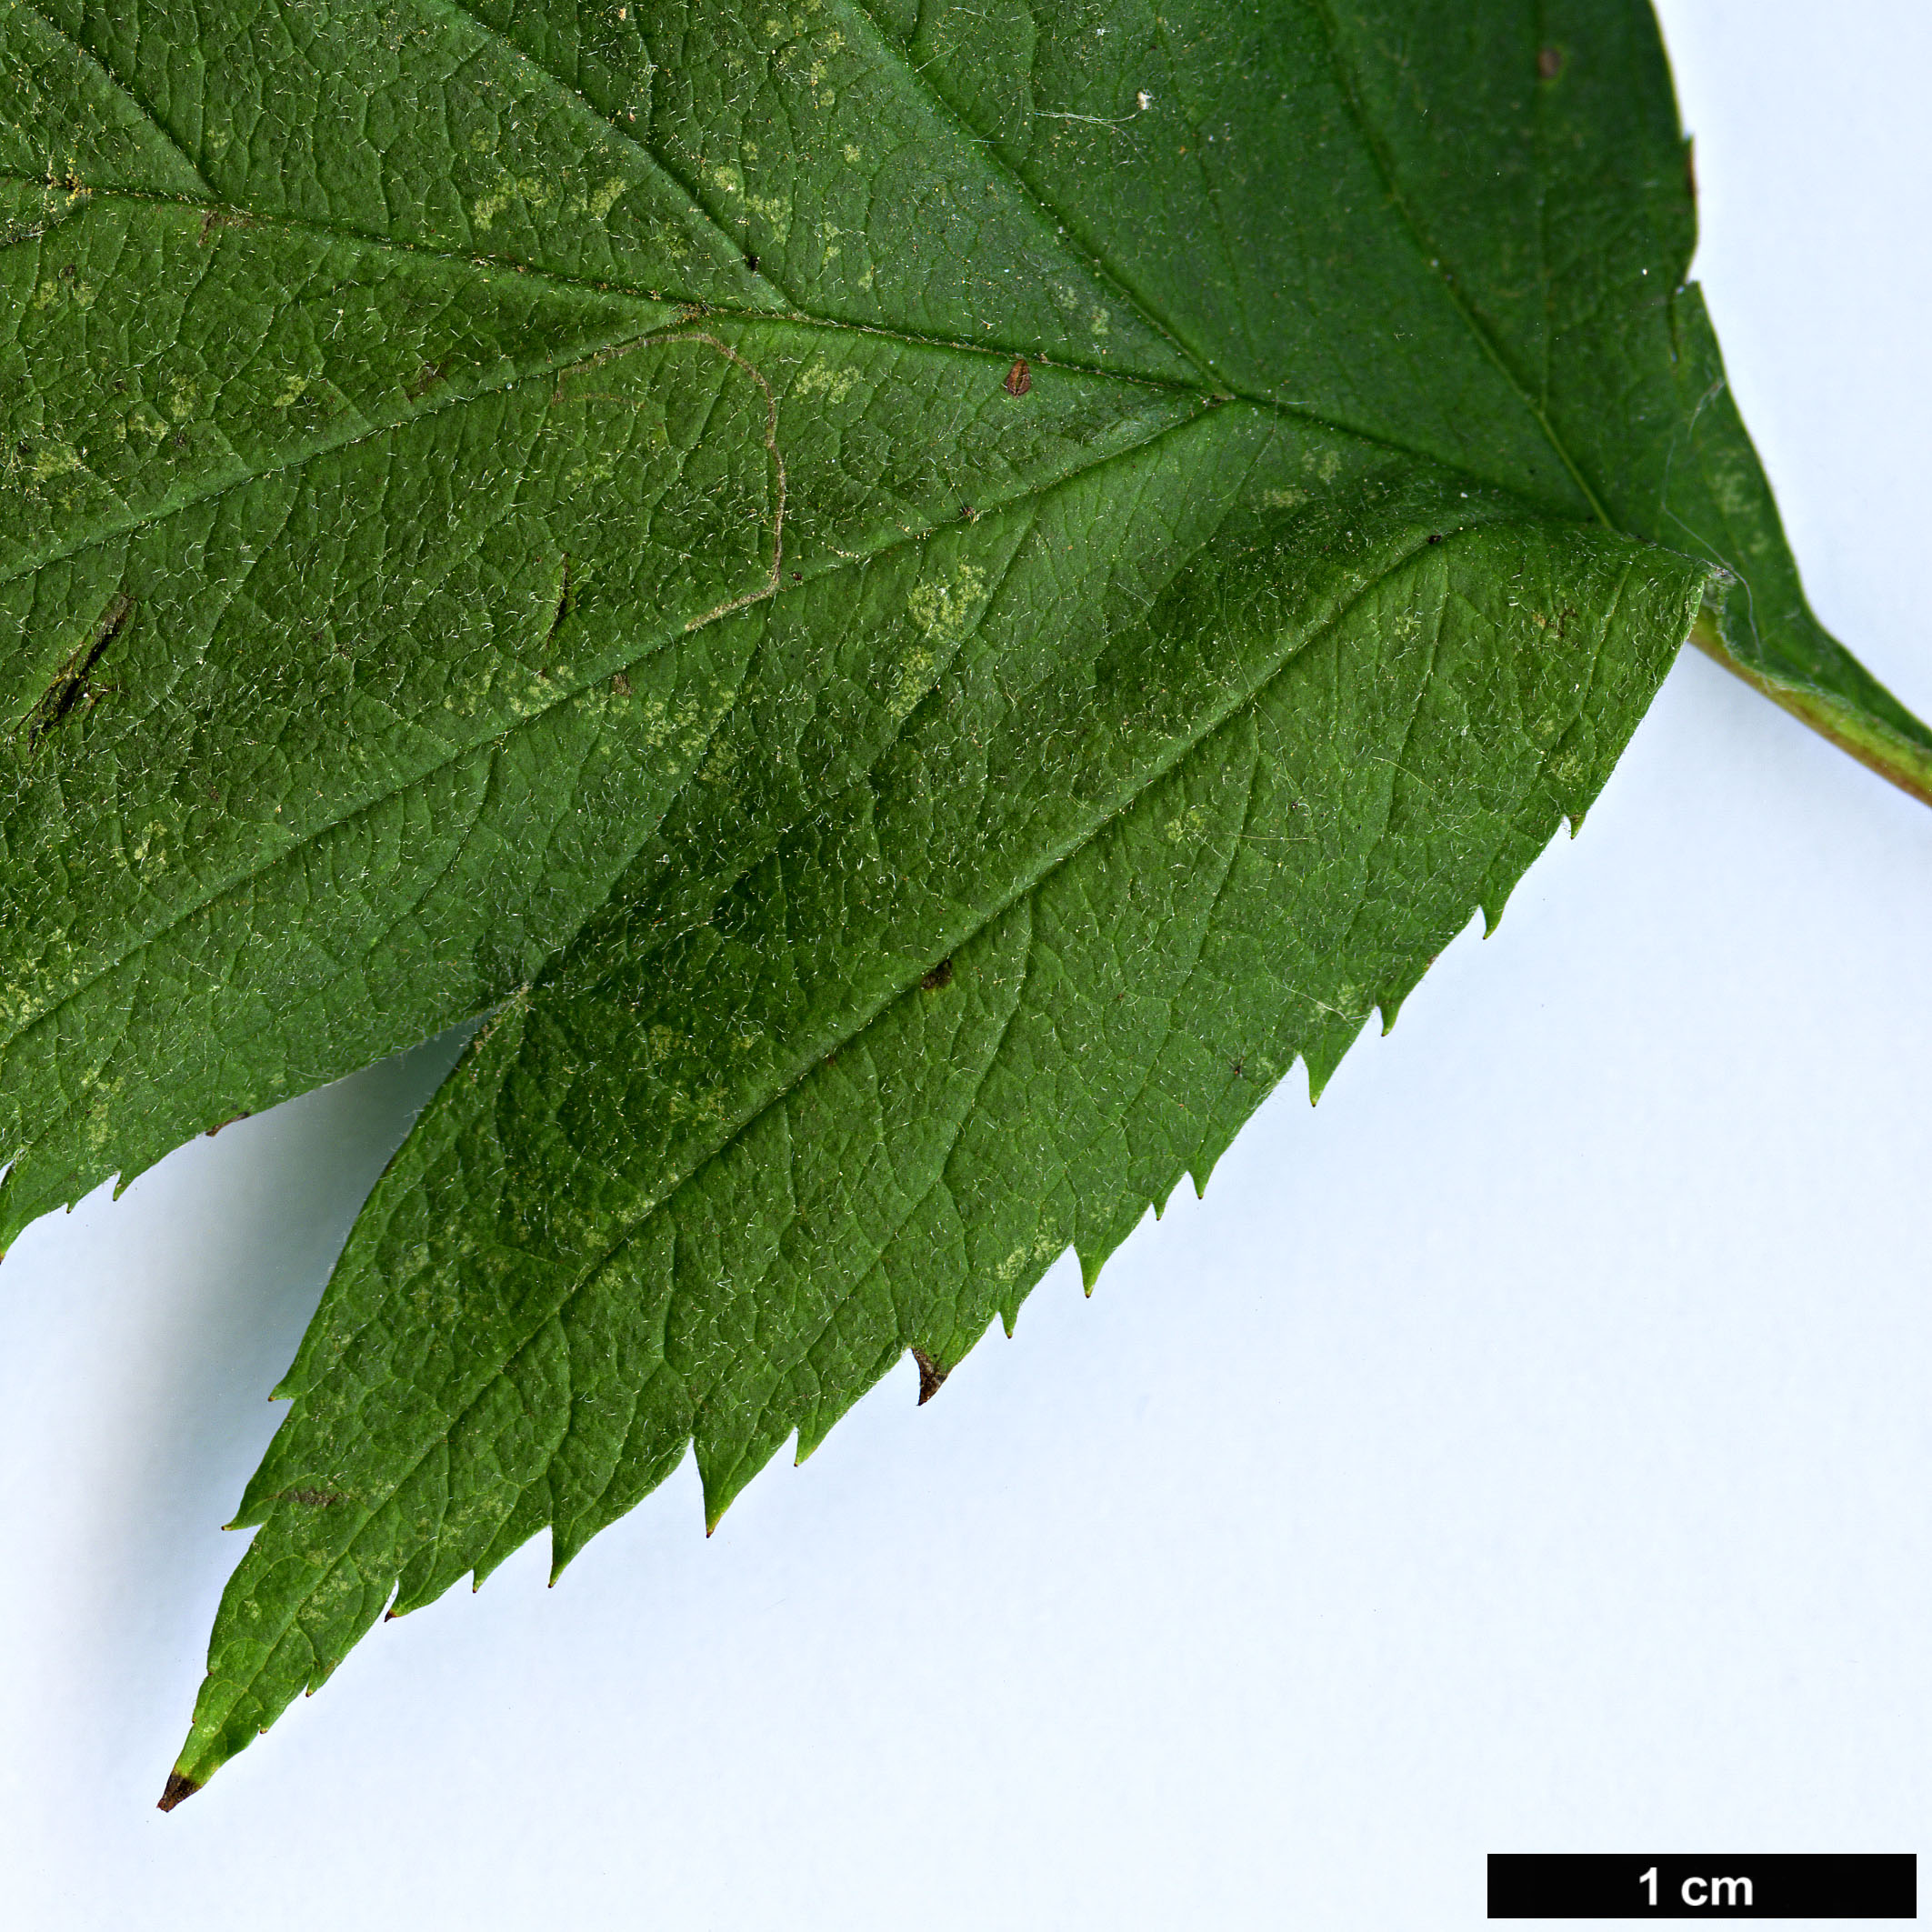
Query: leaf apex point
(177, 1787)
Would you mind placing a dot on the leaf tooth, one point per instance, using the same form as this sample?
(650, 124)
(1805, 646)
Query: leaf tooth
(724, 1472)
(532, 1514)
(1322, 1055)
(1090, 1265)
(932, 1375)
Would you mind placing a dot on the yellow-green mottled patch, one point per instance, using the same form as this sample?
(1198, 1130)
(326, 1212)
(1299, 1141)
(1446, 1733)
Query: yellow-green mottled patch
(945, 607)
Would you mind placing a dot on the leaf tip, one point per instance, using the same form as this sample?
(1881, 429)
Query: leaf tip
(177, 1787)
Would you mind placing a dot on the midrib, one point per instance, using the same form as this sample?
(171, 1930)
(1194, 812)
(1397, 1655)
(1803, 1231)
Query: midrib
(993, 351)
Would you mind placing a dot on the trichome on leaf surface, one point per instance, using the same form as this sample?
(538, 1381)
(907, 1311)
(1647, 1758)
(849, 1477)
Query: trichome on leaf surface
(912, 601)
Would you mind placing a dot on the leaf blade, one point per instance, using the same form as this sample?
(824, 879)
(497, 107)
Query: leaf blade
(569, 1303)
(679, 525)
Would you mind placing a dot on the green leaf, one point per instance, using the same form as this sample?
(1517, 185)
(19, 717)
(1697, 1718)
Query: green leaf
(917, 601)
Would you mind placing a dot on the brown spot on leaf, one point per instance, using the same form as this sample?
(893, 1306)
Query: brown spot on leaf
(1434, 536)
(70, 687)
(426, 379)
(620, 684)
(940, 975)
(1549, 64)
(232, 1118)
(562, 606)
(176, 1789)
(932, 1378)
(215, 218)
(315, 1498)
(1020, 378)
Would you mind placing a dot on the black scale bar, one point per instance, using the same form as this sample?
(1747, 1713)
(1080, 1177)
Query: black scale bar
(1647, 1885)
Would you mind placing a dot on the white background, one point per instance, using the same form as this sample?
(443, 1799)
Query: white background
(1526, 1450)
